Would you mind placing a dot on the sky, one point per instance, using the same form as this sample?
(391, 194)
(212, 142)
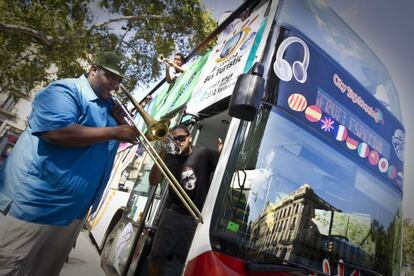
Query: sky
(386, 27)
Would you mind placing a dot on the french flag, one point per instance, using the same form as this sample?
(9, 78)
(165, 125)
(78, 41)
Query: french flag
(342, 133)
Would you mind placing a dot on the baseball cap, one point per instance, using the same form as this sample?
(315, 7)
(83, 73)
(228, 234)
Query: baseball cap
(111, 62)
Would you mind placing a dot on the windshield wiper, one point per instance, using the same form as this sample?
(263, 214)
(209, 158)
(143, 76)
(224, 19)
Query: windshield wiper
(280, 265)
(363, 269)
(254, 267)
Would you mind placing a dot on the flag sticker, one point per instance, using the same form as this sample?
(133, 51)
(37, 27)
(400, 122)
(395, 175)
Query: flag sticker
(327, 124)
(399, 179)
(363, 150)
(373, 157)
(392, 172)
(313, 113)
(297, 102)
(352, 144)
(383, 165)
(341, 133)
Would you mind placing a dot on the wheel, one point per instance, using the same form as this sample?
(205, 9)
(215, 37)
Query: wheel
(108, 253)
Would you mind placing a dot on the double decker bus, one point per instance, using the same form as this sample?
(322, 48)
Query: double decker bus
(310, 179)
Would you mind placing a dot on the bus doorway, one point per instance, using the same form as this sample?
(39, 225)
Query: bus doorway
(134, 232)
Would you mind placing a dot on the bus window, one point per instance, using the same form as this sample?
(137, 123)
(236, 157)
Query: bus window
(333, 35)
(336, 218)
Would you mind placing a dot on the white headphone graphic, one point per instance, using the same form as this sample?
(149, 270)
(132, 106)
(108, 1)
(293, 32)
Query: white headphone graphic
(282, 67)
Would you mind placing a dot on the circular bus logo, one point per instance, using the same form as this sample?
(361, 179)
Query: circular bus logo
(233, 44)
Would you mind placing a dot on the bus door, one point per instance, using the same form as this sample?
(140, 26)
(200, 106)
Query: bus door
(205, 132)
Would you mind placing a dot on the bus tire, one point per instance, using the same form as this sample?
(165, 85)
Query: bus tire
(107, 252)
(115, 219)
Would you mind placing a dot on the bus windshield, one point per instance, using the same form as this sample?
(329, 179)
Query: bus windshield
(288, 197)
(321, 24)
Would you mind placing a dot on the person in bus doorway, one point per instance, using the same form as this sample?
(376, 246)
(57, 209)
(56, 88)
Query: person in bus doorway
(174, 68)
(192, 168)
(59, 167)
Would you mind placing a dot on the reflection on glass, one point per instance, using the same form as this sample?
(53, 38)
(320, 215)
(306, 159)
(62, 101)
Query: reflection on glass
(292, 199)
(323, 26)
(141, 188)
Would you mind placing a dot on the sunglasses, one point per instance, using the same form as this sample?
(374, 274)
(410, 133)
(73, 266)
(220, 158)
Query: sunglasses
(180, 138)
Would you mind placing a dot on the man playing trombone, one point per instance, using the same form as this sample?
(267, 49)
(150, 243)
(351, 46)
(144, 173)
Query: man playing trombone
(192, 167)
(59, 167)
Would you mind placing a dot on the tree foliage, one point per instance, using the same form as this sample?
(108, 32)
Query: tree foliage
(39, 34)
(408, 245)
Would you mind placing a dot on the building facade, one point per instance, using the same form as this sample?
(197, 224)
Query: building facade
(15, 107)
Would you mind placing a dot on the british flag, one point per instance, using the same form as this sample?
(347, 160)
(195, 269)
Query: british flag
(327, 124)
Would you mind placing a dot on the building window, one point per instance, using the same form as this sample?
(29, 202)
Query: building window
(9, 103)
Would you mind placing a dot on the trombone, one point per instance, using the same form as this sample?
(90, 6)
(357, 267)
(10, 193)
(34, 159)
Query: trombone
(157, 130)
(163, 59)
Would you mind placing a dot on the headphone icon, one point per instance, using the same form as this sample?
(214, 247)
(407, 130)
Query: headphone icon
(282, 67)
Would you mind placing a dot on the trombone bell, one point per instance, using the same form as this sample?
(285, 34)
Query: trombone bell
(156, 130)
(161, 58)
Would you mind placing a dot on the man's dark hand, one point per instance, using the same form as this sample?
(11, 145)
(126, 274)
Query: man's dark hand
(126, 133)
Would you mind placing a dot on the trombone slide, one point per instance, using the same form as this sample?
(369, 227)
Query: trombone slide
(171, 180)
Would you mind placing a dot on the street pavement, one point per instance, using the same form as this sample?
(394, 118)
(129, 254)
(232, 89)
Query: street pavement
(83, 259)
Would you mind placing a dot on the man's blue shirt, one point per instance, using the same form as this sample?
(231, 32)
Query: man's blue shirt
(48, 184)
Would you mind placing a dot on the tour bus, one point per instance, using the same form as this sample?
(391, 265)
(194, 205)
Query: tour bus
(310, 178)
(126, 171)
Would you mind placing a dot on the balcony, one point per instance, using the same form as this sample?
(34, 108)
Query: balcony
(19, 94)
(7, 114)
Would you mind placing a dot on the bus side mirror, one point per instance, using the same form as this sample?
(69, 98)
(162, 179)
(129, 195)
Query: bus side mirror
(247, 94)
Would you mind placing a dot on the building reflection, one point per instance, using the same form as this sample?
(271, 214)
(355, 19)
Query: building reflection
(290, 230)
(284, 225)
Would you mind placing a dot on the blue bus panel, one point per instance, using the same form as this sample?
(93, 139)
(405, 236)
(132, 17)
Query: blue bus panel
(323, 96)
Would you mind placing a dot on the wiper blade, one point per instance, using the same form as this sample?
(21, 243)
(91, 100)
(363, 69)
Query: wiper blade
(283, 266)
(271, 263)
(362, 269)
(256, 267)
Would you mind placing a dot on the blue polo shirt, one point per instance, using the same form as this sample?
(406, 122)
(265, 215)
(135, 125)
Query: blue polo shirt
(48, 184)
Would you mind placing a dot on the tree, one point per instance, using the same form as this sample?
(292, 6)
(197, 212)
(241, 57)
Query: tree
(40, 34)
(408, 245)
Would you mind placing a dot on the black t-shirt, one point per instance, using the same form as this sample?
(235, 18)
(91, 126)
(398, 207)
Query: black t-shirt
(193, 172)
